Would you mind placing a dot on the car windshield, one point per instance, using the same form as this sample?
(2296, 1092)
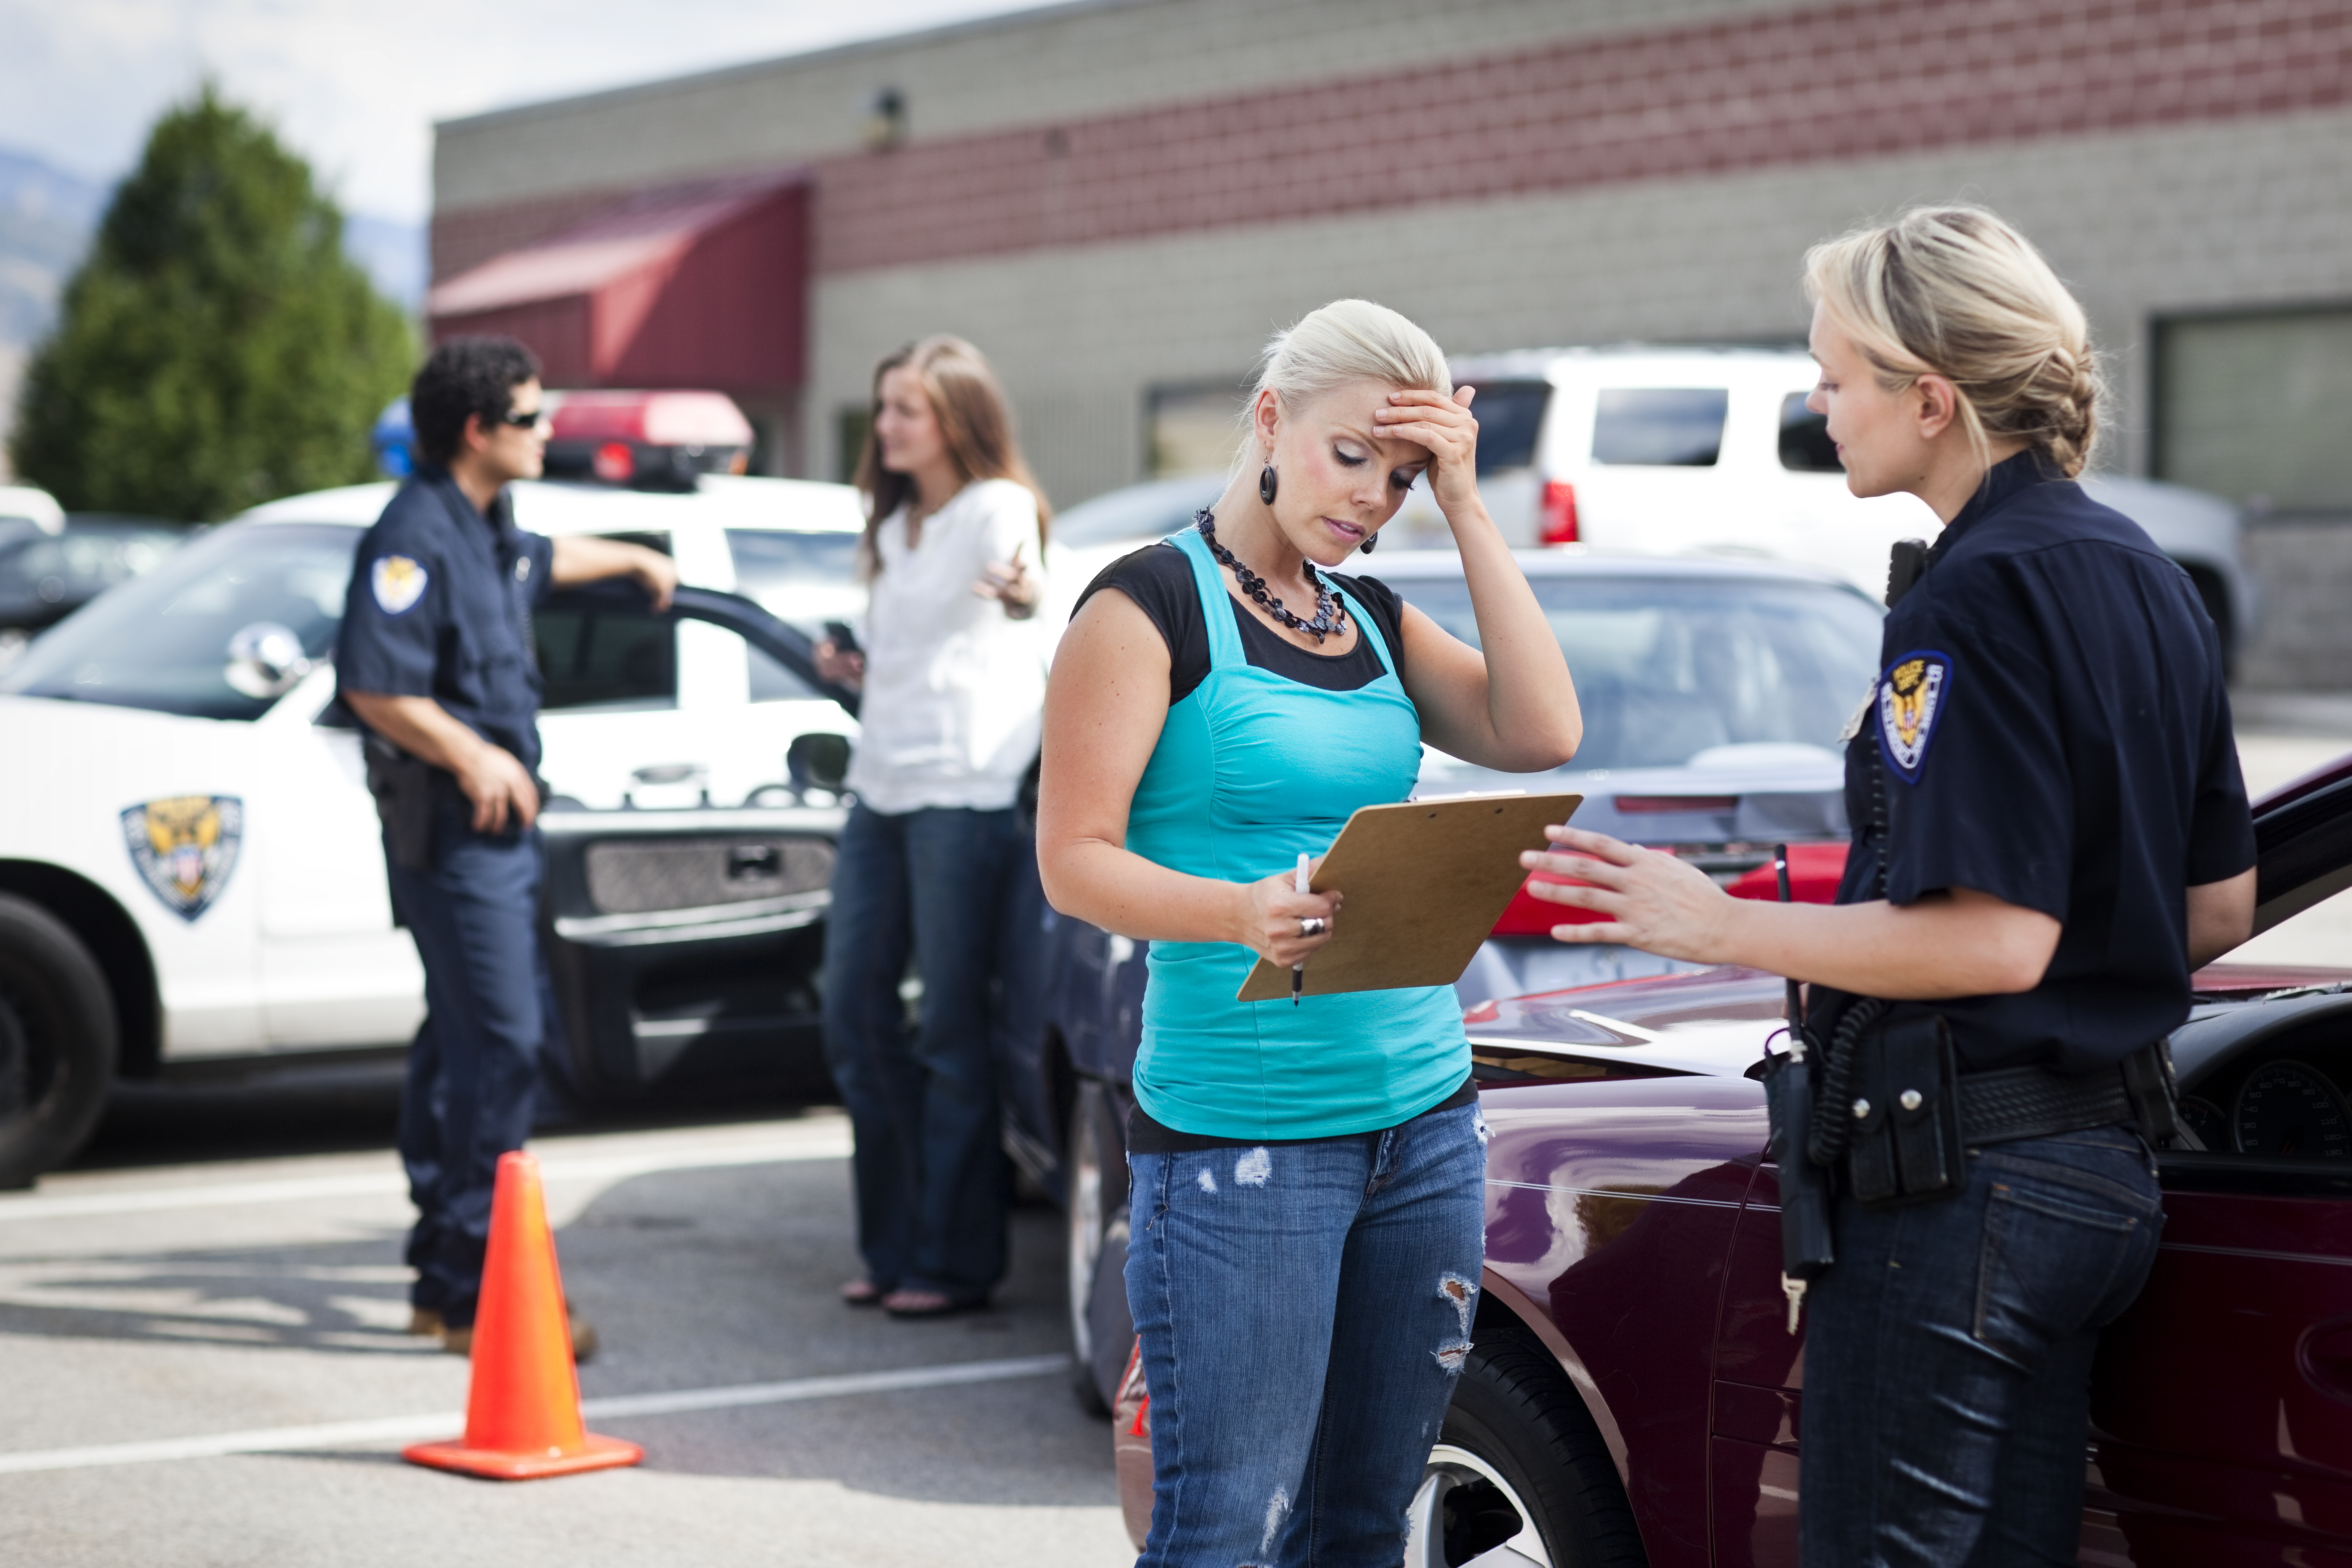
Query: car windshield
(160, 641)
(1669, 667)
(1144, 511)
(804, 578)
(82, 561)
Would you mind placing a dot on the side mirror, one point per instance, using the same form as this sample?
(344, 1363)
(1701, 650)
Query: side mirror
(818, 761)
(265, 660)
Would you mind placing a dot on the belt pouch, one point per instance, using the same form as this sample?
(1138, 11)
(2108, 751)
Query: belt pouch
(403, 787)
(1906, 1139)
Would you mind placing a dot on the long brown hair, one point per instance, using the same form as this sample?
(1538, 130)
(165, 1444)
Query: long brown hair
(975, 422)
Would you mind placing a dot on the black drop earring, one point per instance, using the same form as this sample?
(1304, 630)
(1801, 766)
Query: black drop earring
(1267, 484)
(1366, 547)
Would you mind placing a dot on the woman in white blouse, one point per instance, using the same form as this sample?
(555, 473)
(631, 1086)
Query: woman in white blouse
(953, 679)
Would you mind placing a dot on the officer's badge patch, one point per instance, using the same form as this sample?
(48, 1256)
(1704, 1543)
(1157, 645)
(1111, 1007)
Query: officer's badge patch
(185, 848)
(1910, 700)
(398, 583)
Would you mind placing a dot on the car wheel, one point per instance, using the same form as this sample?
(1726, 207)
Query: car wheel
(1094, 1177)
(1519, 1474)
(57, 1042)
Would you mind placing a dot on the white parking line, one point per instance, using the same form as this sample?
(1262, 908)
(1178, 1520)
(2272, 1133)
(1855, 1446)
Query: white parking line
(831, 1144)
(400, 1428)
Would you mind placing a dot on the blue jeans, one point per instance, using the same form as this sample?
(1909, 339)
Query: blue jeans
(1947, 1357)
(474, 1066)
(927, 1164)
(1304, 1310)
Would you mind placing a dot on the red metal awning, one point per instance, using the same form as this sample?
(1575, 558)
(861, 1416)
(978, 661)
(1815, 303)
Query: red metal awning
(703, 285)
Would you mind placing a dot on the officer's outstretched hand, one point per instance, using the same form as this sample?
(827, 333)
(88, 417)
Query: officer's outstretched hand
(499, 786)
(659, 573)
(1654, 901)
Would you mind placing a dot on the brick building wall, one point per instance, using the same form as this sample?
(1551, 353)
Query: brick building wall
(1117, 197)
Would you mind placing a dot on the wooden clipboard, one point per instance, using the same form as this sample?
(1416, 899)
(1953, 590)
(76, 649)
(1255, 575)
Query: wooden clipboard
(1425, 881)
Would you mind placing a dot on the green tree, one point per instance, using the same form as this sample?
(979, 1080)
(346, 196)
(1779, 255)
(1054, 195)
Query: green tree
(216, 348)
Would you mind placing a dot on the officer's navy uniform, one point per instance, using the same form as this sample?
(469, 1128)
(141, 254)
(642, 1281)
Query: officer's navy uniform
(439, 606)
(2049, 726)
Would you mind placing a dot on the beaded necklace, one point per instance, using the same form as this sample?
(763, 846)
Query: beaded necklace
(1329, 617)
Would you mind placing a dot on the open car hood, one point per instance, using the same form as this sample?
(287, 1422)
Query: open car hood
(1714, 1021)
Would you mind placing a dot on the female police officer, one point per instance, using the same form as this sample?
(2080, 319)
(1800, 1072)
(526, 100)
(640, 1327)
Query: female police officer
(2050, 833)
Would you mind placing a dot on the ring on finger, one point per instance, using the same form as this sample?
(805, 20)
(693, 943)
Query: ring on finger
(1313, 926)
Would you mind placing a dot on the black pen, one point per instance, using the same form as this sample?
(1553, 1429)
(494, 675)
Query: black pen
(1298, 971)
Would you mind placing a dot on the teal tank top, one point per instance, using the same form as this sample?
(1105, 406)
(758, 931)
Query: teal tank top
(1251, 770)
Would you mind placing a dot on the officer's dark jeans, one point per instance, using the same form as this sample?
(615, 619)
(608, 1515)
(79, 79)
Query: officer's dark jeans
(928, 1165)
(1947, 1357)
(474, 1064)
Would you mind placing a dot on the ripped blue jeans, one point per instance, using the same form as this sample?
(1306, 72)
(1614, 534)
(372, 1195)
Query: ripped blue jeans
(1304, 1310)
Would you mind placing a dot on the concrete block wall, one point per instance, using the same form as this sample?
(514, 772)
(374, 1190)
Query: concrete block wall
(1096, 57)
(1081, 333)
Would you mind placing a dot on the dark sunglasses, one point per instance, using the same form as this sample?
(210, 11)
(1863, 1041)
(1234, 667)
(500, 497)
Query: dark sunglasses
(520, 419)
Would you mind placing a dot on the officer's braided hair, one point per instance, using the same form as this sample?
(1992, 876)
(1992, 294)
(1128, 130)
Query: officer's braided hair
(465, 376)
(1955, 291)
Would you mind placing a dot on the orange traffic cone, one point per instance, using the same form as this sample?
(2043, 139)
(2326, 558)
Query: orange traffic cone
(522, 1412)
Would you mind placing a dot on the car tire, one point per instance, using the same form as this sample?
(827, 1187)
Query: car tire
(1094, 1179)
(58, 1042)
(1519, 1474)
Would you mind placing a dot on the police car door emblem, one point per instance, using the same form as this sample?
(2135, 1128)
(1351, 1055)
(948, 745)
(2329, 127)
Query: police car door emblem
(185, 848)
(1910, 700)
(398, 583)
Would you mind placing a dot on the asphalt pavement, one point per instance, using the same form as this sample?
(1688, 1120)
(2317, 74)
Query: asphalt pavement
(203, 1361)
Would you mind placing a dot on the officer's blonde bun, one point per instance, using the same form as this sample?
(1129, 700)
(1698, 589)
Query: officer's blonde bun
(1347, 341)
(1955, 291)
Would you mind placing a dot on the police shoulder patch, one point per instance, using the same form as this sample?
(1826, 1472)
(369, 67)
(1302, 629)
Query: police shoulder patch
(398, 583)
(1910, 700)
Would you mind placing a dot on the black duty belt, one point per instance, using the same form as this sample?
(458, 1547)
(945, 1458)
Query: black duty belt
(2036, 1102)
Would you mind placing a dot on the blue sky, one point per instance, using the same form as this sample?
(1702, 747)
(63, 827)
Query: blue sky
(355, 85)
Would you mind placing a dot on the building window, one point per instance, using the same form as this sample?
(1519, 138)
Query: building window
(2258, 408)
(849, 441)
(1191, 430)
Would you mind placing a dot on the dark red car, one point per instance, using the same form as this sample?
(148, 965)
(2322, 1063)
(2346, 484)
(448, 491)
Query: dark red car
(1635, 1395)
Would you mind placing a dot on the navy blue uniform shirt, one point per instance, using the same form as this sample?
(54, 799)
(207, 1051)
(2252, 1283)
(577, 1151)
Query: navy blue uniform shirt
(439, 606)
(2051, 728)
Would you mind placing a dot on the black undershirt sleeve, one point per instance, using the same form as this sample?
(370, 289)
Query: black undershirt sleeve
(1158, 579)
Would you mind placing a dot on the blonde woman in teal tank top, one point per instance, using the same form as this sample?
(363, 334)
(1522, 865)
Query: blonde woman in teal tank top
(1307, 1180)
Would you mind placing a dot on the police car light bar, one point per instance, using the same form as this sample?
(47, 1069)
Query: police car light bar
(653, 440)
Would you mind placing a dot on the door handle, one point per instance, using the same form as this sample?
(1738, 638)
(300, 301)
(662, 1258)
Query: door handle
(2325, 1357)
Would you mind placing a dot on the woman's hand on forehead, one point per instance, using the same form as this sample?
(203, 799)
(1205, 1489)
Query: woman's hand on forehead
(1440, 426)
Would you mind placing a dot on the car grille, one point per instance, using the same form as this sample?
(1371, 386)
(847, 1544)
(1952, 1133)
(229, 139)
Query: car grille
(629, 877)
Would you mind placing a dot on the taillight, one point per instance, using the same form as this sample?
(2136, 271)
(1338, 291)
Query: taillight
(1814, 872)
(1530, 916)
(1560, 513)
(614, 463)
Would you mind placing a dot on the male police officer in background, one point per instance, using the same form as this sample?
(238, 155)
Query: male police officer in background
(436, 659)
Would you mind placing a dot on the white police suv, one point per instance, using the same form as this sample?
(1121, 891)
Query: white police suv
(190, 863)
